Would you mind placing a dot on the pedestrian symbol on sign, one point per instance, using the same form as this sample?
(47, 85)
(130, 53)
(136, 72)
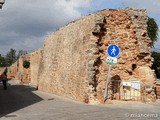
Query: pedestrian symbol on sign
(113, 50)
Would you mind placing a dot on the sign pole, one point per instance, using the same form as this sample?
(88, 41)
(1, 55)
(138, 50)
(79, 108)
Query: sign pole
(107, 80)
(113, 52)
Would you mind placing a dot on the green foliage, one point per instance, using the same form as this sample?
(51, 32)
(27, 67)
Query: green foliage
(11, 57)
(152, 30)
(26, 64)
(156, 63)
(2, 61)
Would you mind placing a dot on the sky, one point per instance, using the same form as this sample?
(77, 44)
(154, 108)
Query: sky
(25, 23)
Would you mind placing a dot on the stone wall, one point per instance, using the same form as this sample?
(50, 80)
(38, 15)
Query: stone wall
(25, 76)
(17, 70)
(73, 58)
(29, 75)
(72, 61)
(35, 58)
(64, 66)
(158, 89)
(12, 70)
(127, 28)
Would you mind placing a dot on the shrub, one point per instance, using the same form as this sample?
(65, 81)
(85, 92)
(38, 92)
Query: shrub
(26, 64)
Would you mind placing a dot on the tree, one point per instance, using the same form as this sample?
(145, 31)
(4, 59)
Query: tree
(26, 64)
(11, 57)
(156, 63)
(152, 30)
(21, 52)
(2, 61)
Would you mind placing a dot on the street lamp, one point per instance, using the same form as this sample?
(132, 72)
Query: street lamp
(1, 3)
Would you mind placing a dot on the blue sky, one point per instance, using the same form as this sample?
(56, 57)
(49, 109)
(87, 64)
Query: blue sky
(25, 23)
(152, 6)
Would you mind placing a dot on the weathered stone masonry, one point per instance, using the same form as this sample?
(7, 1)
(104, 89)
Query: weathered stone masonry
(72, 60)
(29, 75)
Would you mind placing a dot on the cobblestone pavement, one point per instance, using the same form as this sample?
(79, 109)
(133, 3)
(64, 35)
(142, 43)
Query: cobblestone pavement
(22, 102)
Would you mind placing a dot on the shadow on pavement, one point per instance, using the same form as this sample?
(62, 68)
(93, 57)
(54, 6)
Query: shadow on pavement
(15, 98)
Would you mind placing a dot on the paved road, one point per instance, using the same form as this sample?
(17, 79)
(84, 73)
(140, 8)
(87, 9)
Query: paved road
(22, 102)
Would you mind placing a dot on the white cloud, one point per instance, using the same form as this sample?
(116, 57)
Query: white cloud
(24, 23)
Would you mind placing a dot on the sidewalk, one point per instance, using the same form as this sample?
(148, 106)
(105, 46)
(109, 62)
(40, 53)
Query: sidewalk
(22, 102)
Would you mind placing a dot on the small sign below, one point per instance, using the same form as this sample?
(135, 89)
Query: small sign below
(111, 60)
(126, 83)
(135, 84)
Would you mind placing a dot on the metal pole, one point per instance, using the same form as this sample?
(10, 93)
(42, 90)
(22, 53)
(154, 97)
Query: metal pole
(107, 80)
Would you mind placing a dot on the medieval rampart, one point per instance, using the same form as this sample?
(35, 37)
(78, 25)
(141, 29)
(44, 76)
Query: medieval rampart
(73, 58)
(72, 61)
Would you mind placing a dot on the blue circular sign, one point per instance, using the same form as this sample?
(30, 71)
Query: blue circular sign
(113, 50)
